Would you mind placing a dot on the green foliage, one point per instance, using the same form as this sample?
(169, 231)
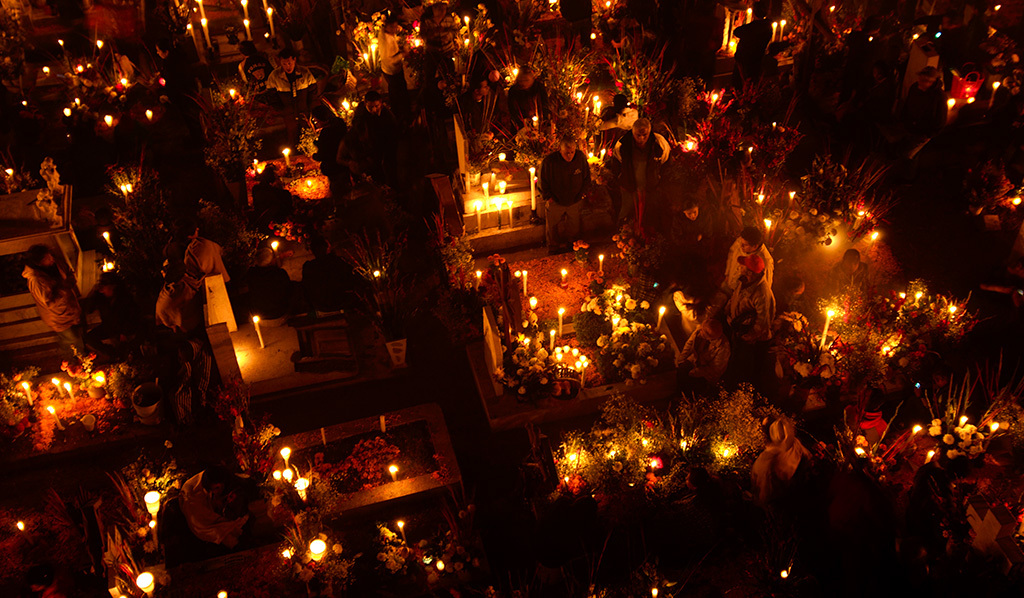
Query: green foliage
(141, 223)
(232, 134)
(231, 232)
(12, 44)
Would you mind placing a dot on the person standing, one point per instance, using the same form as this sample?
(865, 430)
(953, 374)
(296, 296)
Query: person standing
(753, 39)
(295, 86)
(56, 298)
(332, 133)
(637, 159)
(751, 308)
(564, 180)
(255, 68)
(392, 64)
(750, 242)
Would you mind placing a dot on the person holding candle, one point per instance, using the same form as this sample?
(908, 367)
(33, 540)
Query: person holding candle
(56, 297)
(564, 182)
(295, 86)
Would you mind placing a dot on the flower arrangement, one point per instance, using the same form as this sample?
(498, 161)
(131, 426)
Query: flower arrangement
(986, 187)
(366, 467)
(955, 436)
(394, 555)
(14, 407)
(328, 566)
(637, 251)
(531, 145)
(647, 81)
(798, 351)
(252, 442)
(12, 44)
(307, 138)
(528, 370)
(834, 194)
(232, 133)
(581, 251)
(632, 351)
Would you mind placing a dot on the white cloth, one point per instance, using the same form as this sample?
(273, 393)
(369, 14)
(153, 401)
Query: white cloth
(779, 460)
(390, 61)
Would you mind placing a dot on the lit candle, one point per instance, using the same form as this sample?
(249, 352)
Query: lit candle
(245, 9)
(533, 189)
(828, 320)
(509, 200)
(301, 485)
(206, 31)
(533, 303)
(479, 278)
(600, 264)
(108, 120)
(565, 274)
(502, 185)
(149, 115)
(285, 454)
(270, 19)
(775, 27)
(274, 245)
(317, 549)
(478, 205)
(202, 10)
(248, 32)
(67, 388)
(524, 284)
(561, 312)
(288, 474)
(28, 392)
(400, 523)
(145, 581)
(259, 333)
(782, 25)
(661, 315)
(501, 157)
(53, 412)
(287, 152)
(995, 88)
(552, 349)
(393, 470)
(767, 225)
(928, 458)
(486, 188)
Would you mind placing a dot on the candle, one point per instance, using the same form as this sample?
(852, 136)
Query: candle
(265, 6)
(561, 312)
(565, 273)
(28, 392)
(273, 246)
(206, 31)
(287, 157)
(383, 425)
(301, 485)
(533, 303)
(287, 475)
(479, 278)
(552, 349)
(828, 320)
(533, 189)
(600, 264)
(149, 115)
(285, 454)
(53, 412)
(202, 10)
(775, 27)
(145, 581)
(524, 284)
(501, 157)
(248, 32)
(502, 185)
(393, 470)
(995, 88)
(245, 9)
(661, 315)
(270, 19)
(509, 212)
(782, 25)
(400, 523)
(67, 388)
(259, 333)
(486, 187)
(478, 205)
(317, 549)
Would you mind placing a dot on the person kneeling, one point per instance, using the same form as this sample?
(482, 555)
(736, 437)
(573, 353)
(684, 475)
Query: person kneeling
(206, 502)
(703, 360)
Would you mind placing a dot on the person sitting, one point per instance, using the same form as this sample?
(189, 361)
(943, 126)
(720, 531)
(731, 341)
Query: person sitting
(704, 359)
(527, 99)
(255, 68)
(850, 275)
(564, 181)
(42, 582)
(325, 278)
(270, 289)
(56, 298)
(206, 504)
(751, 308)
(202, 256)
(270, 202)
(295, 86)
(178, 307)
(120, 319)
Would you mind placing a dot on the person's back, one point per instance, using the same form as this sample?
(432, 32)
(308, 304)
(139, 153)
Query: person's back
(325, 278)
(924, 111)
(754, 38)
(270, 203)
(270, 289)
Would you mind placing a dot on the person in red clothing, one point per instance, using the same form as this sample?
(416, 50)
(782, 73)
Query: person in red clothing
(56, 298)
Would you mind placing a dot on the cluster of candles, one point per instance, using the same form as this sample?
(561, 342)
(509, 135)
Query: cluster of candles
(288, 474)
(581, 363)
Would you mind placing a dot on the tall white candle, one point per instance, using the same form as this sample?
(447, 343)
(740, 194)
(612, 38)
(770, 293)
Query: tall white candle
(661, 315)
(824, 334)
(206, 31)
(775, 27)
(248, 32)
(245, 9)
(486, 187)
(287, 156)
(259, 333)
(600, 264)
(509, 212)
(561, 312)
(524, 284)
(479, 206)
(552, 349)
(28, 392)
(270, 19)
(533, 189)
(53, 412)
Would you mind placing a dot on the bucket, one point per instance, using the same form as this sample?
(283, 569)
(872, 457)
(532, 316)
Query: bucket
(147, 401)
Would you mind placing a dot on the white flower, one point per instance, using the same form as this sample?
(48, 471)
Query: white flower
(948, 439)
(645, 305)
(976, 449)
(953, 454)
(630, 304)
(635, 371)
(935, 430)
(543, 380)
(602, 340)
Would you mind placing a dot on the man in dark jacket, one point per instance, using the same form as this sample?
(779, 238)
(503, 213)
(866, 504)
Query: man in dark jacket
(754, 38)
(326, 278)
(564, 179)
(255, 68)
(636, 160)
(270, 289)
(924, 113)
(370, 147)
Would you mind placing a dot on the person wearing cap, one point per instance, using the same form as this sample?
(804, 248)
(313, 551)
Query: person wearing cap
(295, 86)
(923, 115)
(120, 317)
(750, 242)
(704, 358)
(178, 307)
(270, 288)
(751, 308)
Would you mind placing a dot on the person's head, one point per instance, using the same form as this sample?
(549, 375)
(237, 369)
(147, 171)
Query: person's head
(792, 286)
(481, 90)
(173, 271)
(163, 47)
(567, 147)
(941, 376)
(439, 10)
(494, 75)
(39, 256)
(851, 261)
(323, 115)
(287, 59)
(952, 19)
(269, 175)
(107, 284)
(751, 239)
(391, 24)
(697, 478)
(691, 209)
(215, 480)
(527, 77)
(927, 77)
(374, 102)
(40, 577)
(641, 131)
(620, 102)
(264, 257)
(711, 329)
(881, 71)
(247, 48)
(754, 267)
(188, 228)
(761, 9)
(319, 246)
